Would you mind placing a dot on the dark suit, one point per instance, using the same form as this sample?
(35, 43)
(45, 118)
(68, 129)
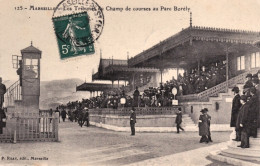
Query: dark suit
(234, 113)
(244, 120)
(178, 122)
(258, 113)
(247, 87)
(2, 92)
(132, 123)
(252, 115)
(209, 133)
(203, 128)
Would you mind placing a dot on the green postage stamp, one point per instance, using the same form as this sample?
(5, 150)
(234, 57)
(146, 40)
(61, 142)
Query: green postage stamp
(73, 35)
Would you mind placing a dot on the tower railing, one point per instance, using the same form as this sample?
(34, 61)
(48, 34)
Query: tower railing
(13, 93)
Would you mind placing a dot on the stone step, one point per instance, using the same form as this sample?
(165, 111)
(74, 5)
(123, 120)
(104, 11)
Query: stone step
(253, 148)
(239, 153)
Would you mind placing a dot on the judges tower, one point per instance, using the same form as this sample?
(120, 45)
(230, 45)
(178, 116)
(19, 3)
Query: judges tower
(30, 79)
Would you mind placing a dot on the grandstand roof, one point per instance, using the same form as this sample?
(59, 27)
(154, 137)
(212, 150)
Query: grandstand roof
(195, 43)
(117, 69)
(93, 87)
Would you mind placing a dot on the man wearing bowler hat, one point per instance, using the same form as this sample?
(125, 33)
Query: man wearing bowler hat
(234, 112)
(132, 121)
(203, 127)
(253, 112)
(243, 123)
(248, 85)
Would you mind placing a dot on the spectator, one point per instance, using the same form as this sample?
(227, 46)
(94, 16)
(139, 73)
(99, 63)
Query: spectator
(136, 97)
(208, 120)
(253, 112)
(234, 112)
(243, 123)
(178, 120)
(132, 121)
(203, 127)
(63, 114)
(2, 92)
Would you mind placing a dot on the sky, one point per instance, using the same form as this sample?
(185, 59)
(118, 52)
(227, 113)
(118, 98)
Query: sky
(126, 31)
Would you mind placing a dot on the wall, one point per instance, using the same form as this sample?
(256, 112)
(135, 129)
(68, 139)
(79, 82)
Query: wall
(142, 120)
(220, 116)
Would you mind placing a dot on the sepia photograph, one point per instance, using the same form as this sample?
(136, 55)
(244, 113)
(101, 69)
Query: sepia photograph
(130, 82)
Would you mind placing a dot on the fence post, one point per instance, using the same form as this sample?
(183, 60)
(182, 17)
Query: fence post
(15, 136)
(56, 128)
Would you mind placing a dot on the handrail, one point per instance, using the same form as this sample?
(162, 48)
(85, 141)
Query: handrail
(222, 87)
(13, 93)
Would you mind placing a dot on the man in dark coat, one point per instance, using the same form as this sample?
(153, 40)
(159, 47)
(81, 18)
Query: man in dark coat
(136, 96)
(132, 121)
(253, 112)
(2, 120)
(63, 114)
(203, 127)
(234, 113)
(208, 120)
(243, 122)
(257, 87)
(248, 85)
(86, 117)
(178, 120)
(2, 92)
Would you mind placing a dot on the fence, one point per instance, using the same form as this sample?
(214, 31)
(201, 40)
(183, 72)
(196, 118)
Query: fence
(30, 127)
(138, 111)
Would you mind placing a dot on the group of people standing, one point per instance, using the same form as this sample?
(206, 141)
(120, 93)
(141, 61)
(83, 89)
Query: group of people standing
(245, 116)
(80, 115)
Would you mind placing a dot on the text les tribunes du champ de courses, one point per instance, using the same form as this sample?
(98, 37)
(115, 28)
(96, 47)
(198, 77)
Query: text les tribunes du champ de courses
(107, 8)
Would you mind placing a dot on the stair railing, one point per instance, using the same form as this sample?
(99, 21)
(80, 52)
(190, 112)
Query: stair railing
(222, 87)
(13, 93)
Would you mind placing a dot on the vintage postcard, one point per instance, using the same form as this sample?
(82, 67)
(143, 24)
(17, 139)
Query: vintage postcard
(129, 82)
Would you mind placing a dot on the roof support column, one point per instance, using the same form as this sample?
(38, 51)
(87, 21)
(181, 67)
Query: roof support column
(118, 82)
(161, 75)
(227, 65)
(133, 81)
(199, 66)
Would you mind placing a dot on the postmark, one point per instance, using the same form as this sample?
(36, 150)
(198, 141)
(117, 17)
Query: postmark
(77, 24)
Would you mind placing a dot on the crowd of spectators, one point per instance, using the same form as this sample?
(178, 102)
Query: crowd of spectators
(245, 116)
(193, 82)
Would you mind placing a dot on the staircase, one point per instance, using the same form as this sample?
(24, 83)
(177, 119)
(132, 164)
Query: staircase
(13, 97)
(220, 88)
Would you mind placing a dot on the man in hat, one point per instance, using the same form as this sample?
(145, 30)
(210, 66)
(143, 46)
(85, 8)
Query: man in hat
(2, 92)
(234, 112)
(248, 85)
(253, 112)
(257, 87)
(178, 120)
(208, 120)
(132, 121)
(86, 116)
(243, 122)
(136, 97)
(203, 127)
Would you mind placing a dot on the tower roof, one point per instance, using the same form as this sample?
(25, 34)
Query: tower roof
(31, 49)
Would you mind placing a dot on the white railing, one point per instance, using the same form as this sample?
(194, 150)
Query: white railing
(13, 93)
(214, 91)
